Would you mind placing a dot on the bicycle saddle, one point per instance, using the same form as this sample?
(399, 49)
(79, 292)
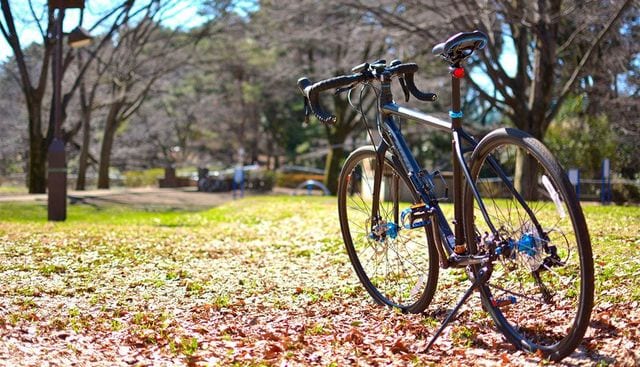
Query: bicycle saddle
(461, 45)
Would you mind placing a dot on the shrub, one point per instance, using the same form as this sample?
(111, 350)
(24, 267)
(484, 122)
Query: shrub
(624, 193)
(292, 180)
(147, 177)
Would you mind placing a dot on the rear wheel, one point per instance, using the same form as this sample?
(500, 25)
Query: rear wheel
(540, 293)
(396, 265)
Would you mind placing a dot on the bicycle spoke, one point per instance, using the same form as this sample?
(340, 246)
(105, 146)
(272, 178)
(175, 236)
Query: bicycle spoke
(538, 265)
(394, 259)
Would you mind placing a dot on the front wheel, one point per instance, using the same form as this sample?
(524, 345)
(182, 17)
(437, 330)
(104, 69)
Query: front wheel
(396, 265)
(540, 293)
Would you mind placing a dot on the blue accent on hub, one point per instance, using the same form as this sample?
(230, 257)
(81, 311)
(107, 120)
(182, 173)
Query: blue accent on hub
(392, 230)
(527, 244)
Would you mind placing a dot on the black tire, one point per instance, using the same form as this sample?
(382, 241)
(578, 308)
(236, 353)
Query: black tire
(397, 269)
(551, 314)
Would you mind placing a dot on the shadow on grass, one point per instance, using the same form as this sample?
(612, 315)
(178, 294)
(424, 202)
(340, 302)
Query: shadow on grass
(104, 211)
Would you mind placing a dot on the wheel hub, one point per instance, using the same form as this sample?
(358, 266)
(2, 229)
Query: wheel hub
(529, 250)
(384, 230)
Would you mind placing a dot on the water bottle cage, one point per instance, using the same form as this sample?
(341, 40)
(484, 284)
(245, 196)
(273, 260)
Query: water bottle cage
(425, 179)
(444, 184)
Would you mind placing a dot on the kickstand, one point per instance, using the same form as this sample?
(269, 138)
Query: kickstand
(483, 275)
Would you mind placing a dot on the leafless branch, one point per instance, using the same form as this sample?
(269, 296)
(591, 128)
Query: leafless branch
(571, 38)
(33, 13)
(11, 35)
(576, 72)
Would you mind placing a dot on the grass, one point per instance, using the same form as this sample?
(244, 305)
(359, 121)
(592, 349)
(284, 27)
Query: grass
(99, 215)
(164, 281)
(7, 189)
(614, 230)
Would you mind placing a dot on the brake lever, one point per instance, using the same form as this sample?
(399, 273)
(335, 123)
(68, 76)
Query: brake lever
(403, 84)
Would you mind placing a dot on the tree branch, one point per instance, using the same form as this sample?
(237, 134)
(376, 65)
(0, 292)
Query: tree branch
(35, 17)
(46, 57)
(103, 42)
(501, 73)
(569, 84)
(491, 99)
(12, 39)
(5, 32)
(571, 38)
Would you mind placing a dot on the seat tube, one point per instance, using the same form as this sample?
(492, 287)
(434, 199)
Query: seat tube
(456, 123)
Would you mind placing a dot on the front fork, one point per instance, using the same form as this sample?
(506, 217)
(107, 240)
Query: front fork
(377, 183)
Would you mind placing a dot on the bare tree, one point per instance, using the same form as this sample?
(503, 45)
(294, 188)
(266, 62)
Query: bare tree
(545, 35)
(86, 104)
(612, 88)
(34, 83)
(168, 129)
(146, 52)
(326, 42)
(14, 137)
(140, 57)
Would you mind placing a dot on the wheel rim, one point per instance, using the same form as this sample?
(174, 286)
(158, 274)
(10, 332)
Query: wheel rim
(545, 284)
(391, 261)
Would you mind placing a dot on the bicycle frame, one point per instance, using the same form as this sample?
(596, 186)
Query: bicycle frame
(420, 178)
(401, 270)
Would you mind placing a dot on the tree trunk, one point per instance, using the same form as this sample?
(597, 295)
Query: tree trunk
(37, 175)
(526, 176)
(84, 153)
(105, 157)
(107, 144)
(332, 167)
(336, 138)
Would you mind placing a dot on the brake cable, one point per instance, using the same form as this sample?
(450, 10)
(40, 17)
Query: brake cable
(360, 109)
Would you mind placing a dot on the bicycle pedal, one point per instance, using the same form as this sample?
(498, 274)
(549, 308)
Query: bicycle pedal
(461, 261)
(415, 216)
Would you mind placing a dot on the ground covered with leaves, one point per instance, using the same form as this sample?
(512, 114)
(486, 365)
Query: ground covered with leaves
(257, 282)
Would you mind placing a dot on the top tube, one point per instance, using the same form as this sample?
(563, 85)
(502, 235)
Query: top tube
(422, 117)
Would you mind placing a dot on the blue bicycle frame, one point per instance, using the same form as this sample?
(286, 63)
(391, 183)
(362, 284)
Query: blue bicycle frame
(421, 179)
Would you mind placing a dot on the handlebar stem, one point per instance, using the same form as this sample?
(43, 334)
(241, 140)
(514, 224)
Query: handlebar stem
(385, 89)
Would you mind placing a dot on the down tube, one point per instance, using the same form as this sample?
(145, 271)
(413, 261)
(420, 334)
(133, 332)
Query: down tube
(420, 179)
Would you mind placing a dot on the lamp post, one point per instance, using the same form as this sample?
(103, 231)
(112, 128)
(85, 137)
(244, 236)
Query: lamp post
(56, 159)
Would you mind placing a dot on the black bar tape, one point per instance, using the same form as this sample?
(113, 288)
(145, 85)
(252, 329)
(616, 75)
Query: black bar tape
(411, 85)
(312, 92)
(408, 68)
(303, 83)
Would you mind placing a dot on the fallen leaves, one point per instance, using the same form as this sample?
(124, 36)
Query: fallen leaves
(399, 347)
(258, 282)
(354, 336)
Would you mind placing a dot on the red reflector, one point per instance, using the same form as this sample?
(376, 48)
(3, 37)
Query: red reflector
(458, 73)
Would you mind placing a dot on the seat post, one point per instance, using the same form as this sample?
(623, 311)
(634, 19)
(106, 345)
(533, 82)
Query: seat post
(455, 113)
(456, 123)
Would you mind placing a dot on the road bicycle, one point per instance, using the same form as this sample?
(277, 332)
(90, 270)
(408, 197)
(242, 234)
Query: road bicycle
(518, 229)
